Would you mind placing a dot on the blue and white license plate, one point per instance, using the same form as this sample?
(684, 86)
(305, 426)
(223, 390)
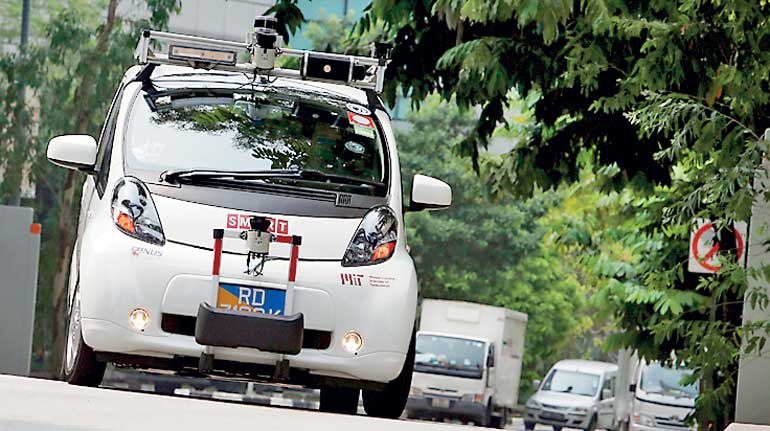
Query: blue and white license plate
(251, 299)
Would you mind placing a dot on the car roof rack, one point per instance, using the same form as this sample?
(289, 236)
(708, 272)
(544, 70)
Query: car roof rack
(366, 73)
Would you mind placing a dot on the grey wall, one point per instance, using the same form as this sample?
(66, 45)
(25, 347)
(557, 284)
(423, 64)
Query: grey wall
(753, 391)
(19, 249)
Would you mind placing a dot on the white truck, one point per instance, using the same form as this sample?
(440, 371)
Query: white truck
(467, 362)
(650, 397)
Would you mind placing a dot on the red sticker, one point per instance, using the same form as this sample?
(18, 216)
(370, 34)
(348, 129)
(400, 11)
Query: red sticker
(361, 120)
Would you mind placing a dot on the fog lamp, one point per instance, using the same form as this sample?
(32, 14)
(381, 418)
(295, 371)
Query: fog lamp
(139, 318)
(352, 342)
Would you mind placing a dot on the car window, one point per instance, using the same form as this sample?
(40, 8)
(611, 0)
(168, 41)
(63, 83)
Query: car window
(106, 138)
(571, 382)
(609, 383)
(253, 131)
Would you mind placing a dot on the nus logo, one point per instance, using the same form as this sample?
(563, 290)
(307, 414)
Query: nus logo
(352, 279)
(241, 221)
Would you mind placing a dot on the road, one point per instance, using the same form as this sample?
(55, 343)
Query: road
(44, 405)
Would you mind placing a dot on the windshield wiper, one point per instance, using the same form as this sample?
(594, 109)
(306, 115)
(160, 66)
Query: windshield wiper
(192, 175)
(175, 175)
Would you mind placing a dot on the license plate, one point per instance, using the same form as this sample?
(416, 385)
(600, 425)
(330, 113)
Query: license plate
(440, 403)
(251, 299)
(552, 415)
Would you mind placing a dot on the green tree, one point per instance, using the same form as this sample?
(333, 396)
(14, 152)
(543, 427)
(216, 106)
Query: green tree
(675, 94)
(78, 62)
(485, 250)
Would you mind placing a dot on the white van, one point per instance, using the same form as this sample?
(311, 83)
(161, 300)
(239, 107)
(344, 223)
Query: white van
(650, 396)
(244, 220)
(574, 394)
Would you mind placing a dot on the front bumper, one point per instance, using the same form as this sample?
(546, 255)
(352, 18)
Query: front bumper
(633, 426)
(118, 273)
(557, 418)
(268, 333)
(452, 408)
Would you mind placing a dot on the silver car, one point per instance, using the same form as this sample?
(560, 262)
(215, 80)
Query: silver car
(574, 394)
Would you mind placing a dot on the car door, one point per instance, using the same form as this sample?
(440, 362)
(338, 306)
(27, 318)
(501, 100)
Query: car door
(606, 410)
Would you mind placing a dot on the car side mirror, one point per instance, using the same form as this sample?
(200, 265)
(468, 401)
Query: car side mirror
(536, 383)
(606, 394)
(632, 387)
(429, 193)
(73, 152)
(490, 361)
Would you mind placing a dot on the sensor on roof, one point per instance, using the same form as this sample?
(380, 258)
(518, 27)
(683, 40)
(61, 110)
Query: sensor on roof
(263, 43)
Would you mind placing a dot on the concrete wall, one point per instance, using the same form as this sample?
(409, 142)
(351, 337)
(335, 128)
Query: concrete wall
(753, 391)
(19, 250)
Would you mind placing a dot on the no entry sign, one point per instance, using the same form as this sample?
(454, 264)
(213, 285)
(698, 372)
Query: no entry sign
(704, 249)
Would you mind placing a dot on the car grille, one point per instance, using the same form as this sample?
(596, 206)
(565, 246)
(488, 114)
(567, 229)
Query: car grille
(185, 325)
(553, 407)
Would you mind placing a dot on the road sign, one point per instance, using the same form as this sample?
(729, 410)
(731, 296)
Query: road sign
(704, 250)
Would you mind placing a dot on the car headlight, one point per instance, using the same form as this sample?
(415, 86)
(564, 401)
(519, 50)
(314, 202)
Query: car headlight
(642, 419)
(579, 410)
(533, 404)
(374, 240)
(134, 213)
(473, 398)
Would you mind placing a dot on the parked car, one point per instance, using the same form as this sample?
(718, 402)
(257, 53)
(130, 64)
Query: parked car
(650, 396)
(574, 394)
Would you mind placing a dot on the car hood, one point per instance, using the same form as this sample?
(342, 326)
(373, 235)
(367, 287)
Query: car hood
(563, 399)
(188, 223)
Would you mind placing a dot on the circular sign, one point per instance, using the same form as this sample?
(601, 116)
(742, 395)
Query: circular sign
(704, 247)
(358, 109)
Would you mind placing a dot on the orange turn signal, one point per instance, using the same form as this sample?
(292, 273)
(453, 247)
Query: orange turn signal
(125, 222)
(383, 251)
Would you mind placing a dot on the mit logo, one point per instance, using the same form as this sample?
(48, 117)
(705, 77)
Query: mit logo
(241, 221)
(352, 279)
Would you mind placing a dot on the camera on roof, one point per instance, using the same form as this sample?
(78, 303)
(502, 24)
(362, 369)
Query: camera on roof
(264, 43)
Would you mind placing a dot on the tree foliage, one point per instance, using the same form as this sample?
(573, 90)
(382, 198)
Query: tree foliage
(71, 72)
(486, 250)
(673, 94)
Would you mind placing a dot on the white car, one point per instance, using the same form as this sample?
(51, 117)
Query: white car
(576, 394)
(187, 150)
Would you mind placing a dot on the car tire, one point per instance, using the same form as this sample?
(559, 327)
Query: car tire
(339, 400)
(79, 364)
(592, 424)
(555, 428)
(390, 402)
(486, 420)
(499, 422)
(529, 426)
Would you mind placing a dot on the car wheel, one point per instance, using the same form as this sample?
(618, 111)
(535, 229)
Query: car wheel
(339, 400)
(499, 422)
(390, 402)
(592, 424)
(486, 420)
(555, 428)
(529, 426)
(79, 364)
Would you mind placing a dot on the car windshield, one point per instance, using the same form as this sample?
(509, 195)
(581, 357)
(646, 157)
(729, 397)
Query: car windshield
(257, 131)
(449, 355)
(657, 379)
(571, 382)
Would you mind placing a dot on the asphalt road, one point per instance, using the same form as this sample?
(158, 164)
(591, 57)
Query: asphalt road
(44, 405)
